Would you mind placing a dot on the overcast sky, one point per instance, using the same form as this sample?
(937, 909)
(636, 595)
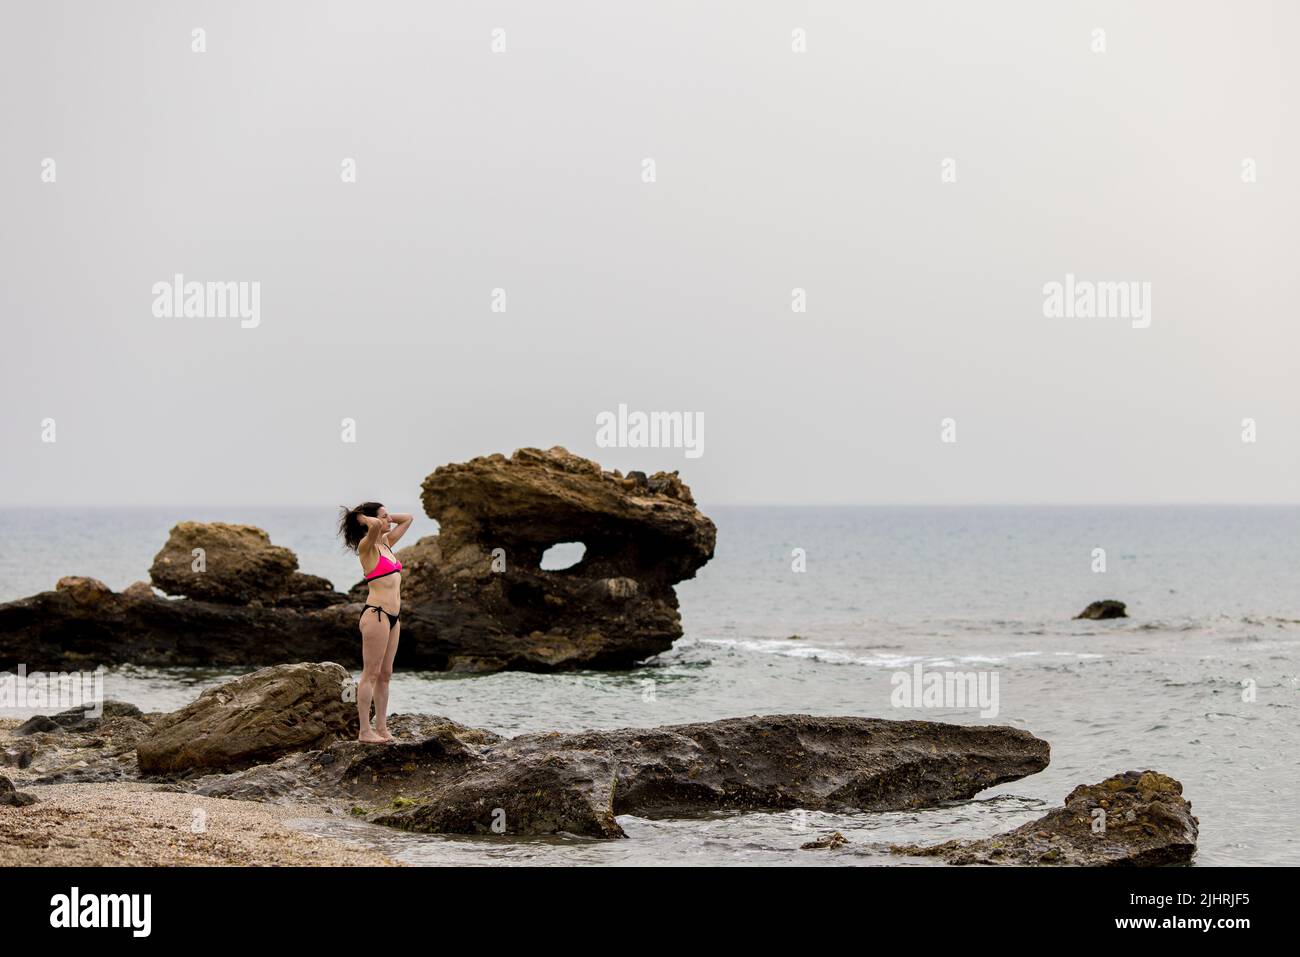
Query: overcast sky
(524, 170)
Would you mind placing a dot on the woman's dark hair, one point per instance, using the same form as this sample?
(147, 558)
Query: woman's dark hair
(350, 525)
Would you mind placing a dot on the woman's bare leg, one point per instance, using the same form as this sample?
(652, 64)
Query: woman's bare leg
(374, 642)
(381, 684)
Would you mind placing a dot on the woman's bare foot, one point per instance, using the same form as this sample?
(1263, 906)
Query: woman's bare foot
(370, 737)
(384, 733)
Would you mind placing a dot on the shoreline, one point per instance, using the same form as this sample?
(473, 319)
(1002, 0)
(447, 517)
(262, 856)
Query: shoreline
(134, 824)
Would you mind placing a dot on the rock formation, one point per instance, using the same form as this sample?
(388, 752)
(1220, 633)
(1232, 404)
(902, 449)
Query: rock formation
(78, 719)
(474, 597)
(833, 842)
(230, 564)
(74, 746)
(12, 797)
(85, 626)
(1135, 818)
(1104, 609)
(287, 734)
(89, 594)
(462, 780)
(498, 515)
(253, 719)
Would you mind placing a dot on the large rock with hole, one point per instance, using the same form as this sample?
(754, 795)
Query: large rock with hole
(253, 719)
(217, 561)
(478, 586)
(453, 779)
(1138, 818)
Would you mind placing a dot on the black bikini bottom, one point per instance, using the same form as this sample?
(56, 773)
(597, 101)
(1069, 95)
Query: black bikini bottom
(392, 619)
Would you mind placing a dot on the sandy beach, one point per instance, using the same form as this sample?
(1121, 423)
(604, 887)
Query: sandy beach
(134, 824)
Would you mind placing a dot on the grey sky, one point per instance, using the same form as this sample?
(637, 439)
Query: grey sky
(522, 170)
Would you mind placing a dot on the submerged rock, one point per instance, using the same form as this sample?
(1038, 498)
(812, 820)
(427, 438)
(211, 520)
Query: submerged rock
(253, 719)
(832, 841)
(1104, 609)
(466, 781)
(1135, 818)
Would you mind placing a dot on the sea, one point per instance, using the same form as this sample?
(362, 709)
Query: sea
(830, 611)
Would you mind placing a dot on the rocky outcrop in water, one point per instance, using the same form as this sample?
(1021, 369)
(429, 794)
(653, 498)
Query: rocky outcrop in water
(498, 515)
(216, 561)
(474, 596)
(1138, 818)
(289, 731)
(69, 629)
(1108, 608)
(466, 781)
(254, 719)
(831, 842)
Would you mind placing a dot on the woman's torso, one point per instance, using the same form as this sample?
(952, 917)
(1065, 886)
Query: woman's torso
(386, 586)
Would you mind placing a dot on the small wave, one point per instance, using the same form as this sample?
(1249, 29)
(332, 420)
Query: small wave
(785, 648)
(788, 648)
(1169, 626)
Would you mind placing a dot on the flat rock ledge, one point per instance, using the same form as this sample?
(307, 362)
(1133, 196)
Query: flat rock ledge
(1138, 818)
(459, 780)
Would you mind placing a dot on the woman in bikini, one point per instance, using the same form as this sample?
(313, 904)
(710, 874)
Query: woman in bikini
(371, 532)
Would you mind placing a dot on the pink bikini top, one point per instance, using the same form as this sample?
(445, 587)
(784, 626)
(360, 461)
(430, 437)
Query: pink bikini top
(385, 566)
